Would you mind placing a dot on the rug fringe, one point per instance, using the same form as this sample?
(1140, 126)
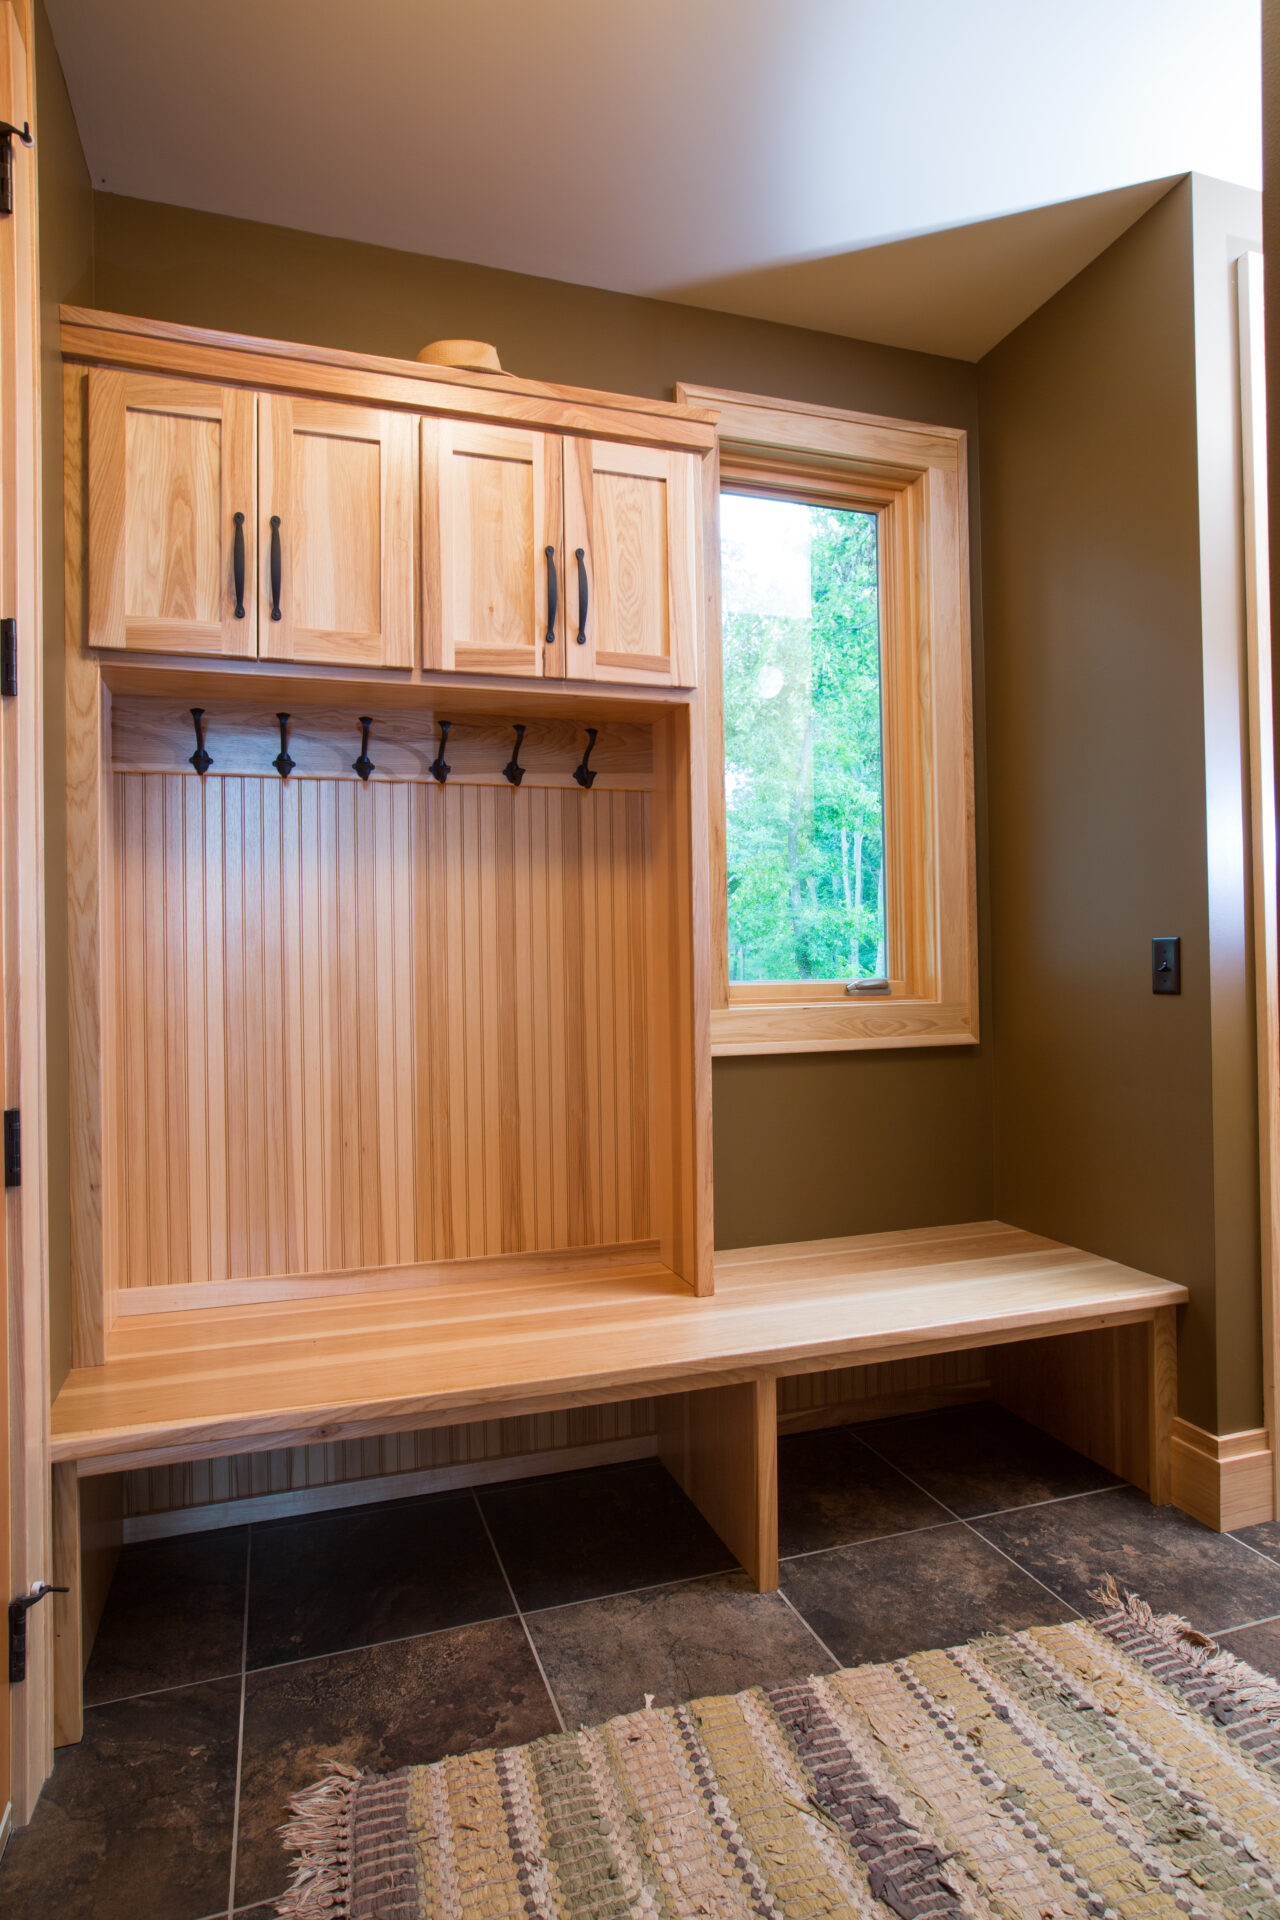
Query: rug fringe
(1258, 1689)
(319, 1833)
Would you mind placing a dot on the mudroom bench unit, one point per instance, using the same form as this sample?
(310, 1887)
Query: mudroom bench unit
(390, 954)
(1083, 1346)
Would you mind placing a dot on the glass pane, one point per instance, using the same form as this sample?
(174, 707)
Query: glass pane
(804, 797)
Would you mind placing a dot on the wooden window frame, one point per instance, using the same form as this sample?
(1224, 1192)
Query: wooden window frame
(915, 479)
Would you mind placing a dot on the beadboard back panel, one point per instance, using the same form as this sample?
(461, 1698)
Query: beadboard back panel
(360, 1027)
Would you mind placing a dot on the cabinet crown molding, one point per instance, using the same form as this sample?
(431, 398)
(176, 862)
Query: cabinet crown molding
(163, 346)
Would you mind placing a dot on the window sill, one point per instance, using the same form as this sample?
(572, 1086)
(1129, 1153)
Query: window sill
(824, 1026)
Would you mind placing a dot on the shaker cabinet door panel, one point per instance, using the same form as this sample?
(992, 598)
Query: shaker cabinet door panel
(632, 546)
(492, 594)
(171, 515)
(335, 537)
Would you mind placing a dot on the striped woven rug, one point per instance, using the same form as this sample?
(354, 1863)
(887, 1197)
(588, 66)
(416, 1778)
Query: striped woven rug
(1125, 1767)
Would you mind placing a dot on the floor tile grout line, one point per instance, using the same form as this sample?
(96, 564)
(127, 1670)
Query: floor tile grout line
(1217, 1633)
(628, 1593)
(1061, 1598)
(393, 1640)
(910, 1480)
(1054, 1500)
(1271, 1562)
(153, 1693)
(809, 1628)
(524, 1624)
(244, 1672)
(867, 1540)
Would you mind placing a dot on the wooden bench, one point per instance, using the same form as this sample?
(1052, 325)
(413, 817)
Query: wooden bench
(1082, 1345)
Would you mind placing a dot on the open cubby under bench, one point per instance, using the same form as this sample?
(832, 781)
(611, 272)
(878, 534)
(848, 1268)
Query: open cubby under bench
(1082, 1345)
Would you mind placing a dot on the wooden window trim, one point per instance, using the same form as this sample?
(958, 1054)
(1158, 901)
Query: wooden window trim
(915, 478)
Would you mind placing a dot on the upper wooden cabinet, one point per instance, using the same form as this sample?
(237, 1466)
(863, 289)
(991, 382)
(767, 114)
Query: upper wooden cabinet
(335, 531)
(303, 505)
(567, 558)
(491, 549)
(633, 519)
(172, 467)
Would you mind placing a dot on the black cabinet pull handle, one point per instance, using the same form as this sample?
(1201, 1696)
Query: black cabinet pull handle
(553, 596)
(238, 564)
(277, 568)
(579, 554)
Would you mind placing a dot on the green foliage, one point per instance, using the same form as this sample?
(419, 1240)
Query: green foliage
(804, 791)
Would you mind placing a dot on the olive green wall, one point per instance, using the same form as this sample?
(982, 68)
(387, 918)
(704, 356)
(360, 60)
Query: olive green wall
(66, 274)
(1111, 562)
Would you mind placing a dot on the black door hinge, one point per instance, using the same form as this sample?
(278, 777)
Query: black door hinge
(8, 134)
(18, 1611)
(12, 1147)
(8, 659)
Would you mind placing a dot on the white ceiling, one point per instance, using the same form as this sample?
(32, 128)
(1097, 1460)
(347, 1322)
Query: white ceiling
(759, 156)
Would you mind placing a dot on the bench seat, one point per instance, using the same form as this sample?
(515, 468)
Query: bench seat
(194, 1385)
(1093, 1337)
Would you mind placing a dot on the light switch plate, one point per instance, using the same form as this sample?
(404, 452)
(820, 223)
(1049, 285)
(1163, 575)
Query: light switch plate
(1166, 963)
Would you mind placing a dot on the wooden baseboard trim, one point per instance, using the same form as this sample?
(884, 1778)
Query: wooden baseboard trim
(1222, 1479)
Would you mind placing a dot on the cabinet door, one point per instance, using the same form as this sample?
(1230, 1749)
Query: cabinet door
(335, 533)
(171, 515)
(492, 598)
(632, 544)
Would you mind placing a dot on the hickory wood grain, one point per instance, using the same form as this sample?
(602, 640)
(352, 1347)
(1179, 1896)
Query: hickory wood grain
(636, 514)
(187, 1386)
(170, 463)
(721, 1446)
(491, 506)
(341, 480)
(27, 1716)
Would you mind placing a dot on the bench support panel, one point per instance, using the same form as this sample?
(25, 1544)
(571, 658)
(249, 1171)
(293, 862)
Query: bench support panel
(1111, 1394)
(720, 1444)
(87, 1532)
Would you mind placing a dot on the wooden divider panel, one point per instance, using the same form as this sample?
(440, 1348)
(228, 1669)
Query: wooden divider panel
(366, 1026)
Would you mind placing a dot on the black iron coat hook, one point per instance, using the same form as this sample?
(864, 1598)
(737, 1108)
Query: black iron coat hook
(513, 770)
(440, 768)
(583, 773)
(8, 134)
(364, 765)
(200, 759)
(284, 763)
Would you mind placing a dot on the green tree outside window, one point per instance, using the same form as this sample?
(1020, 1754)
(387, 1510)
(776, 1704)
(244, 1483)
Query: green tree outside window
(804, 790)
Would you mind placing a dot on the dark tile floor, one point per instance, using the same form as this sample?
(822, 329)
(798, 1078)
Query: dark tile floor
(230, 1667)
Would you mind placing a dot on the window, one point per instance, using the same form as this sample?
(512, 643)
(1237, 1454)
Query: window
(839, 712)
(803, 787)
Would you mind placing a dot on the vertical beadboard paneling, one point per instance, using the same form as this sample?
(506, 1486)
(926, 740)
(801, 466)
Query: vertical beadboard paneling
(364, 1026)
